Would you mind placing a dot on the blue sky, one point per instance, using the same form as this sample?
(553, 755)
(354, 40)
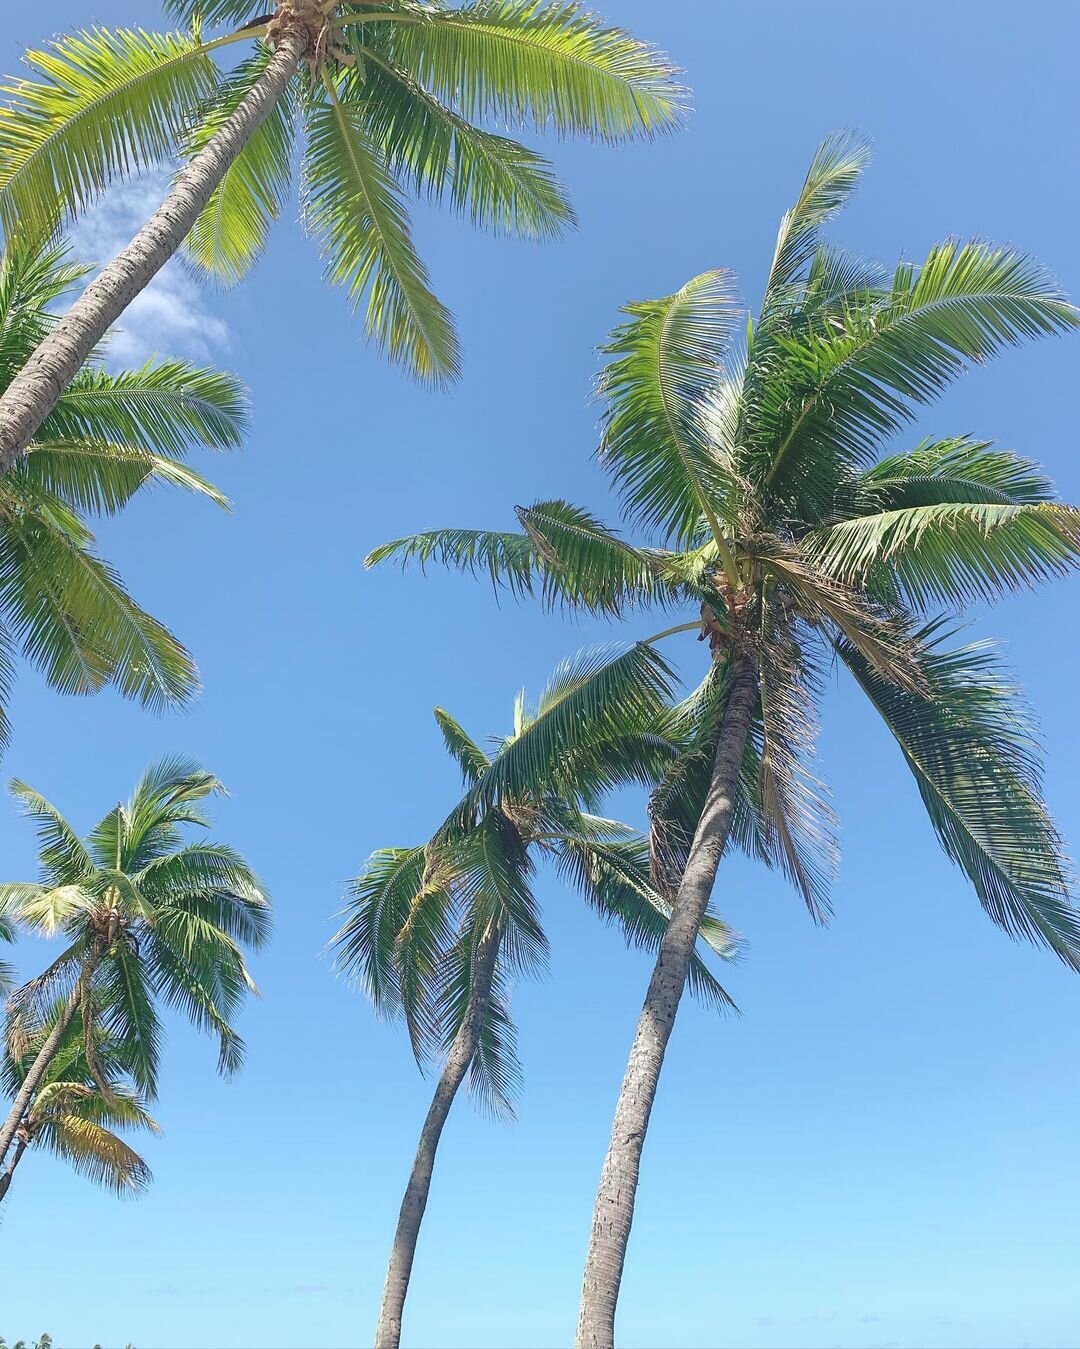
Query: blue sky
(881, 1151)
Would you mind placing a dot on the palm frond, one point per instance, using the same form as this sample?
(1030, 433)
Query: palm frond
(102, 477)
(233, 226)
(670, 362)
(166, 406)
(551, 64)
(509, 560)
(97, 1153)
(467, 753)
(974, 753)
(105, 103)
(354, 207)
(494, 182)
(63, 854)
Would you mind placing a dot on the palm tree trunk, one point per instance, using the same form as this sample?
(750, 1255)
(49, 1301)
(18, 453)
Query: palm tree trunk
(45, 1055)
(33, 393)
(462, 1052)
(9, 1170)
(614, 1211)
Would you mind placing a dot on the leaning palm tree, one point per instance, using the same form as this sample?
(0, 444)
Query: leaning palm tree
(796, 543)
(388, 93)
(73, 1115)
(434, 933)
(111, 434)
(146, 917)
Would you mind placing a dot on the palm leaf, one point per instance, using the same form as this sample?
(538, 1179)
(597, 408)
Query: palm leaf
(512, 61)
(670, 359)
(353, 205)
(106, 103)
(973, 751)
(233, 226)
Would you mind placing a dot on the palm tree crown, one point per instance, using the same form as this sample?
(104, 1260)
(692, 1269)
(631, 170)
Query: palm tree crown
(416, 916)
(71, 1114)
(797, 535)
(146, 918)
(111, 434)
(388, 98)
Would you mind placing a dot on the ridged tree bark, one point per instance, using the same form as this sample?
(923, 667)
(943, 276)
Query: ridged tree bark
(33, 393)
(45, 1056)
(614, 1210)
(462, 1052)
(9, 1170)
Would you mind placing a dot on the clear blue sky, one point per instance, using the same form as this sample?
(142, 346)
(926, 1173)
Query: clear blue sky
(883, 1149)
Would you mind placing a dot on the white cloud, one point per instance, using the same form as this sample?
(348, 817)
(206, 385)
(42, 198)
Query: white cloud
(171, 317)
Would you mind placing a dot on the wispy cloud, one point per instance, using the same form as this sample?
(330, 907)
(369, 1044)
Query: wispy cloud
(172, 316)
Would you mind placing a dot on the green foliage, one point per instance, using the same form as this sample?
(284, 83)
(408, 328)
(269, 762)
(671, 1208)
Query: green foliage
(156, 918)
(401, 105)
(111, 435)
(795, 532)
(415, 916)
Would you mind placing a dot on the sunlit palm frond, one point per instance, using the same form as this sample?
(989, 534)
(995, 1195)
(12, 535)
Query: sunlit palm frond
(233, 226)
(353, 205)
(973, 751)
(551, 64)
(670, 359)
(104, 102)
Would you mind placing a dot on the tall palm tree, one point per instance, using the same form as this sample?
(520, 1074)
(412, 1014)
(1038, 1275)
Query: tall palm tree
(111, 434)
(146, 917)
(70, 1113)
(798, 536)
(389, 94)
(435, 932)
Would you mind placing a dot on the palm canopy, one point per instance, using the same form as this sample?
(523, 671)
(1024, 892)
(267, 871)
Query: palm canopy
(71, 1115)
(391, 102)
(798, 535)
(111, 434)
(146, 917)
(416, 916)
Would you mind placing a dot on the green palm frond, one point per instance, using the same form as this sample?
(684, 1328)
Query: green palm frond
(213, 13)
(74, 617)
(32, 281)
(165, 406)
(232, 228)
(103, 477)
(954, 554)
(670, 359)
(844, 387)
(833, 176)
(552, 64)
(595, 696)
(957, 470)
(495, 1071)
(586, 565)
(105, 103)
(64, 857)
(378, 905)
(974, 753)
(130, 1016)
(509, 560)
(353, 205)
(496, 183)
(471, 759)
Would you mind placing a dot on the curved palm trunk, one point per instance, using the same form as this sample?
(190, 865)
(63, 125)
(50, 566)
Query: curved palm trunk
(33, 393)
(614, 1211)
(9, 1170)
(45, 1056)
(462, 1051)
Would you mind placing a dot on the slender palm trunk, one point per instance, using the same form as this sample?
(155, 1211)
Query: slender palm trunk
(45, 1055)
(9, 1170)
(462, 1051)
(33, 393)
(614, 1211)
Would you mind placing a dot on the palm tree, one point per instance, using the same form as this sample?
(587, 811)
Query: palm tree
(146, 917)
(108, 436)
(435, 932)
(388, 93)
(758, 472)
(71, 1114)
